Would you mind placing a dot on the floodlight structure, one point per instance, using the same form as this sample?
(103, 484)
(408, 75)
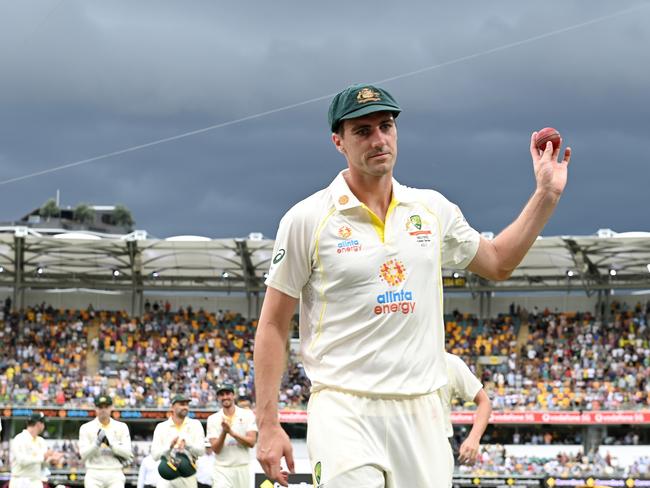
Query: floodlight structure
(137, 263)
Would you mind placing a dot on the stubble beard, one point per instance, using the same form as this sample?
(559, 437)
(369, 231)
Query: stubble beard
(380, 169)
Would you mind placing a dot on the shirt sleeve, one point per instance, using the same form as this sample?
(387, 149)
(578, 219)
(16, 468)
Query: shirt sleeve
(462, 381)
(158, 445)
(87, 446)
(291, 262)
(460, 241)
(121, 443)
(252, 423)
(213, 427)
(196, 442)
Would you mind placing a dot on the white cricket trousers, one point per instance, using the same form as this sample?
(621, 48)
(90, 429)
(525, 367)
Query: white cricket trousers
(378, 442)
(104, 478)
(189, 482)
(231, 476)
(25, 483)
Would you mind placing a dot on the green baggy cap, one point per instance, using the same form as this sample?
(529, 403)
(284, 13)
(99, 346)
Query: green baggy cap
(225, 387)
(179, 464)
(179, 397)
(167, 469)
(103, 401)
(359, 100)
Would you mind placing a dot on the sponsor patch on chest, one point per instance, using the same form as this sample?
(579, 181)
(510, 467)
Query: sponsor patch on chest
(348, 243)
(393, 273)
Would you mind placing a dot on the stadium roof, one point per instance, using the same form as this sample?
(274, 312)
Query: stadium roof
(29, 259)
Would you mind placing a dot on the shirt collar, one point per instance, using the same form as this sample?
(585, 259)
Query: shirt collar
(401, 193)
(345, 199)
(173, 424)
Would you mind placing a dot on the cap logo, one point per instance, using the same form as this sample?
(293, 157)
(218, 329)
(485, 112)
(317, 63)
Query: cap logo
(366, 95)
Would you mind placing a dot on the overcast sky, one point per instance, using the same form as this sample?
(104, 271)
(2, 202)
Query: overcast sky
(83, 78)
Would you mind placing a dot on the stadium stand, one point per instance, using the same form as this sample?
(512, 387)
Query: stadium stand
(42, 356)
(554, 361)
(542, 360)
(566, 361)
(495, 460)
(141, 361)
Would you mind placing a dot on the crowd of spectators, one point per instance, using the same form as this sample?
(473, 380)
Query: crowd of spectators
(189, 351)
(494, 460)
(539, 360)
(42, 355)
(143, 361)
(167, 351)
(567, 361)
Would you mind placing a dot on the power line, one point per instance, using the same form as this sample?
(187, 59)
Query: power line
(323, 97)
(38, 25)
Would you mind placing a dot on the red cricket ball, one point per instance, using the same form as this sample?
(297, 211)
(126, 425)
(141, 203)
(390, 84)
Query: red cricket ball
(545, 135)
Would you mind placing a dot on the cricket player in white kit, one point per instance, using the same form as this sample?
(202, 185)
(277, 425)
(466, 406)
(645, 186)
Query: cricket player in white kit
(364, 257)
(205, 467)
(461, 383)
(29, 455)
(181, 432)
(232, 433)
(105, 447)
(148, 473)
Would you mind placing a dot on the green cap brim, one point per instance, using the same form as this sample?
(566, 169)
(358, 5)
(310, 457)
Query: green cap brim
(369, 109)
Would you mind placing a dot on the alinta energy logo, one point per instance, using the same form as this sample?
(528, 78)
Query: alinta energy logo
(347, 244)
(393, 273)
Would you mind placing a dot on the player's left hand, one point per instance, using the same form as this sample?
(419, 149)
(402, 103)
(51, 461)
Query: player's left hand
(468, 451)
(225, 426)
(550, 173)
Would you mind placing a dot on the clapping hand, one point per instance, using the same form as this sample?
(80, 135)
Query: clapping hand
(53, 457)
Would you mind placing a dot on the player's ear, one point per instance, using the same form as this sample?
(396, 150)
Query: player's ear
(337, 140)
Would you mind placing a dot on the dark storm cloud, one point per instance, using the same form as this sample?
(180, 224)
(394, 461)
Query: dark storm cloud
(84, 78)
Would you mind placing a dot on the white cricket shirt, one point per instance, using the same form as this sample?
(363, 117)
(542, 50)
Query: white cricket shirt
(106, 455)
(242, 422)
(27, 456)
(191, 431)
(462, 384)
(371, 315)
